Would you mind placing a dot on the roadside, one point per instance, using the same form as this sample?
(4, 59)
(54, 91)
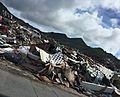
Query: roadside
(23, 84)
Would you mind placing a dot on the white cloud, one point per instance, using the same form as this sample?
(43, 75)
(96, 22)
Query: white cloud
(114, 22)
(118, 54)
(59, 14)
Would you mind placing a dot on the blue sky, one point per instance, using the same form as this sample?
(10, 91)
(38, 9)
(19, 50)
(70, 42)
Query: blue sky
(109, 14)
(105, 13)
(96, 21)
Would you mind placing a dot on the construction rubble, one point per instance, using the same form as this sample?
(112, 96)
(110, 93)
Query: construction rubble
(44, 57)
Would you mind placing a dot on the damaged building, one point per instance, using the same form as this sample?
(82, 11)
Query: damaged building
(43, 56)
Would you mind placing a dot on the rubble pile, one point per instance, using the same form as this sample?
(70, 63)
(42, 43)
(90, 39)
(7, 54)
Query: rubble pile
(45, 58)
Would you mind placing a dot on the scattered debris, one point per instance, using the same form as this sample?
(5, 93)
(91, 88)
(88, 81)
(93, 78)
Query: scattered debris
(52, 62)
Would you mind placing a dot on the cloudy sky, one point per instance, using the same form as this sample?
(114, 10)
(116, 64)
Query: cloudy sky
(96, 21)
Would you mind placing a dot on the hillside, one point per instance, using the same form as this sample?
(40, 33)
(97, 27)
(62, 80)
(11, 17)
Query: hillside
(98, 54)
(57, 59)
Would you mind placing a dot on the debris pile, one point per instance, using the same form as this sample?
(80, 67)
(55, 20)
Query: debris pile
(45, 58)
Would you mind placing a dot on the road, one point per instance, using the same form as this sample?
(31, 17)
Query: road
(17, 86)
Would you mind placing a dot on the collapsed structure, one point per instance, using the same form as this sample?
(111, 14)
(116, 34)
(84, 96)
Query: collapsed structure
(43, 56)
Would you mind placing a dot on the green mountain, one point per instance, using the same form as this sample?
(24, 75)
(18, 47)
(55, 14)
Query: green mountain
(97, 54)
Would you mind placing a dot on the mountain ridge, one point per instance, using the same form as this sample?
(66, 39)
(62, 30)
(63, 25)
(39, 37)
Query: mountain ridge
(98, 54)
